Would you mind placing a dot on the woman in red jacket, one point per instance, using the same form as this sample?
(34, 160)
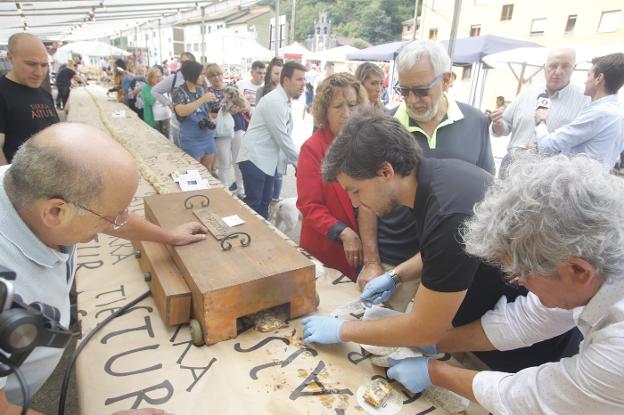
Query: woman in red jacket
(329, 228)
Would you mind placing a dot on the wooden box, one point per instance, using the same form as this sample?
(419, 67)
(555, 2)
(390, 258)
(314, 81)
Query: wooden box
(228, 284)
(171, 293)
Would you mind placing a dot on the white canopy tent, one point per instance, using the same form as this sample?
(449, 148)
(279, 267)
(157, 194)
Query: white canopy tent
(525, 63)
(338, 54)
(295, 49)
(90, 48)
(230, 48)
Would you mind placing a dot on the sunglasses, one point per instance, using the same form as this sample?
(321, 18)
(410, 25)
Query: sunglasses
(419, 91)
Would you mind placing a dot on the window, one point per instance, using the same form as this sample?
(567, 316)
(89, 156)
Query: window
(475, 30)
(196, 47)
(433, 34)
(537, 26)
(610, 21)
(507, 12)
(570, 23)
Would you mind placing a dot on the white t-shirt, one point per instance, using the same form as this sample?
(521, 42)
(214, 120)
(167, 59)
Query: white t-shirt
(249, 90)
(42, 274)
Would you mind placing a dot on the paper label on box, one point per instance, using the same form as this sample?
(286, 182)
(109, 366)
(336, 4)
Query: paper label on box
(233, 220)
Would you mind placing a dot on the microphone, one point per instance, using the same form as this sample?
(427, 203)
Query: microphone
(543, 101)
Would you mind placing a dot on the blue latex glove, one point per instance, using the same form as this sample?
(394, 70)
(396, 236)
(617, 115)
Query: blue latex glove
(413, 373)
(428, 350)
(378, 290)
(321, 330)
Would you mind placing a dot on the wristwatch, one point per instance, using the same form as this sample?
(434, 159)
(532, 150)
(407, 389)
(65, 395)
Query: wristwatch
(394, 275)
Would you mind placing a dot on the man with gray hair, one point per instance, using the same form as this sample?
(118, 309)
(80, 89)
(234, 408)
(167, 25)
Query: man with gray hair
(556, 226)
(380, 166)
(60, 191)
(25, 107)
(518, 118)
(598, 130)
(443, 128)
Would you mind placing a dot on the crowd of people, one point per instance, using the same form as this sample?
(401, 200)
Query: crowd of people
(525, 270)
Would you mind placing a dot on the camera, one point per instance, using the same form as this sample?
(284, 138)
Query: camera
(206, 123)
(213, 107)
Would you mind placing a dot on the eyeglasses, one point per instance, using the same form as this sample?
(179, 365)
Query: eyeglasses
(118, 222)
(419, 91)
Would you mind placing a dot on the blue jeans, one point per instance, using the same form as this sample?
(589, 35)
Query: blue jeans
(277, 185)
(258, 187)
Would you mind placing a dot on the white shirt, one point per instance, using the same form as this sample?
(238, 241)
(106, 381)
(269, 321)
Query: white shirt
(268, 141)
(519, 116)
(588, 383)
(598, 132)
(249, 89)
(42, 274)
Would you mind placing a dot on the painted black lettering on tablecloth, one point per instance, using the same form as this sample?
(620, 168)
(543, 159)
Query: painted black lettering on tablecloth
(196, 378)
(143, 396)
(136, 206)
(253, 373)
(342, 279)
(194, 369)
(357, 357)
(122, 296)
(147, 327)
(175, 333)
(128, 311)
(122, 249)
(260, 344)
(313, 378)
(108, 367)
(89, 255)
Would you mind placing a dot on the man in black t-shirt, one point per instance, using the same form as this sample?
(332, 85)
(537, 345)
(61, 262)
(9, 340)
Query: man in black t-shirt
(25, 108)
(377, 161)
(64, 79)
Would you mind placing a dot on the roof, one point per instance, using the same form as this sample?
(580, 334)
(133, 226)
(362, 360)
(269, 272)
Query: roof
(250, 15)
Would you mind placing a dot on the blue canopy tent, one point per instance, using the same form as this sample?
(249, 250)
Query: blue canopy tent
(468, 51)
(384, 52)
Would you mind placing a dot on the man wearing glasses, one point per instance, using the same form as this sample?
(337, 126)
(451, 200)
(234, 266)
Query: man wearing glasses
(381, 167)
(443, 128)
(518, 119)
(531, 225)
(65, 185)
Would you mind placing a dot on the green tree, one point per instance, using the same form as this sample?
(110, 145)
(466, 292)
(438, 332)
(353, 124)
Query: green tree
(375, 21)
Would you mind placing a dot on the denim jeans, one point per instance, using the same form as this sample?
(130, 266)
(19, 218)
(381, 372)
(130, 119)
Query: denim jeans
(277, 185)
(258, 187)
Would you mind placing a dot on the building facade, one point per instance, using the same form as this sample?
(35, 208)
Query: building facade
(547, 22)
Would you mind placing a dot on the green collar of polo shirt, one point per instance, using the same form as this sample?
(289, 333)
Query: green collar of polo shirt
(453, 113)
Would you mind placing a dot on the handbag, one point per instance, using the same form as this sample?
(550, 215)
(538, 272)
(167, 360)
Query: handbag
(225, 124)
(161, 111)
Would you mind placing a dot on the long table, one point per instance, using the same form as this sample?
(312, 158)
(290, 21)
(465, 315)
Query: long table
(136, 361)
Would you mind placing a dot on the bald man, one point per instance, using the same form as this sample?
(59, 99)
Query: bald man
(566, 102)
(60, 191)
(25, 107)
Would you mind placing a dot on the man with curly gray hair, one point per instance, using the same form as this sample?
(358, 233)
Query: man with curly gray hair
(557, 227)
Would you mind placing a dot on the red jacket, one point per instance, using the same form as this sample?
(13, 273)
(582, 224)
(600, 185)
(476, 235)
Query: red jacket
(322, 205)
